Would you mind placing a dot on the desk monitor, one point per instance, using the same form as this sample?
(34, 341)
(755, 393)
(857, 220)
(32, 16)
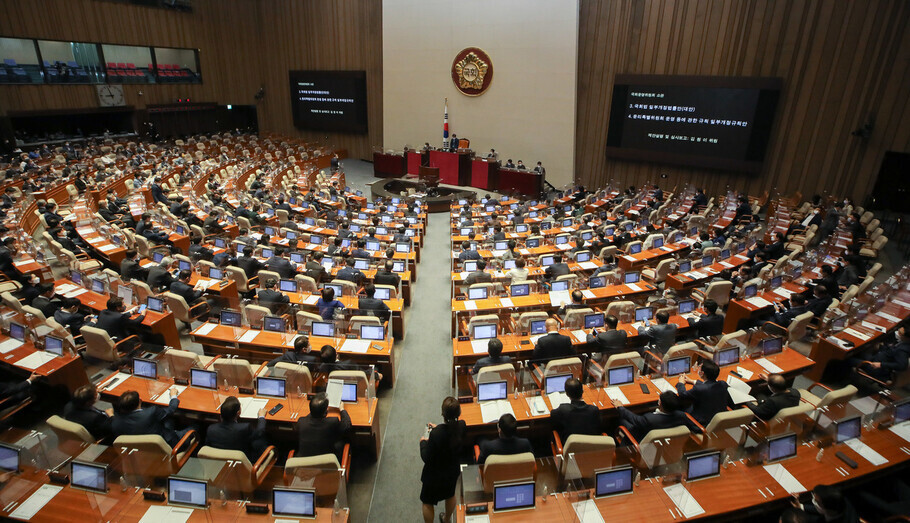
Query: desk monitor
(291, 235)
(315, 239)
(700, 466)
(157, 256)
(631, 277)
(521, 227)
(372, 332)
(155, 304)
(706, 261)
(609, 231)
(215, 273)
(532, 214)
(117, 241)
(220, 243)
(492, 390)
(287, 286)
(478, 293)
(902, 411)
(513, 496)
(583, 256)
(561, 239)
(312, 221)
(382, 293)
(361, 264)
(538, 326)
(189, 492)
(635, 248)
(546, 261)
(771, 346)
(17, 330)
(382, 231)
(184, 265)
(89, 476)
(620, 375)
(629, 226)
(597, 282)
(644, 313)
(240, 250)
(677, 366)
(686, 306)
(230, 318)
(53, 345)
(556, 383)
(724, 254)
(325, 329)
(402, 247)
(271, 387)
(484, 331)
(9, 457)
(398, 266)
(268, 253)
(349, 392)
(204, 379)
(685, 266)
(531, 243)
(594, 320)
(520, 289)
(587, 235)
(508, 264)
(372, 245)
(354, 227)
(750, 290)
(781, 447)
(611, 482)
(274, 324)
(327, 264)
(561, 285)
(776, 281)
(98, 285)
(470, 266)
(568, 222)
(727, 356)
(294, 503)
(847, 428)
(410, 233)
(657, 243)
(145, 368)
(339, 290)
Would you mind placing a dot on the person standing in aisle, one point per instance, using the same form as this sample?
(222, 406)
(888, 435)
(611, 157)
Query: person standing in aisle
(439, 450)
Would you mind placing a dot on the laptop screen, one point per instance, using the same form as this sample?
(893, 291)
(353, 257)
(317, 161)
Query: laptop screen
(776, 281)
(230, 318)
(382, 293)
(594, 320)
(274, 324)
(470, 266)
(338, 289)
(287, 286)
(372, 246)
(186, 492)
(781, 447)
(706, 260)
(295, 503)
(267, 253)
(297, 257)
(750, 291)
(494, 390)
(402, 247)
(145, 368)
(597, 282)
(902, 411)
(17, 331)
(89, 476)
(349, 392)
(513, 496)
(560, 285)
(546, 261)
(583, 256)
(538, 326)
(157, 257)
(206, 379)
(644, 313)
(531, 243)
(484, 331)
(560, 240)
(272, 387)
(98, 285)
(54, 345)
(372, 332)
(184, 265)
(557, 383)
(635, 248)
(478, 293)
(631, 277)
(398, 266)
(325, 329)
(724, 254)
(771, 346)
(220, 243)
(155, 304)
(361, 264)
(686, 306)
(685, 266)
(621, 375)
(848, 428)
(501, 246)
(9, 458)
(703, 466)
(727, 356)
(657, 243)
(613, 481)
(676, 366)
(315, 239)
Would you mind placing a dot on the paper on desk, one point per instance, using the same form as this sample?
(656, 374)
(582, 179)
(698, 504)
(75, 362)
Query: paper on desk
(587, 511)
(629, 258)
(10, 345)
(780, 291)
(768, 366)
(746, 374)
(683, 500)
(24, 261)
(557, 399)
(464, 275)
(470, 305)
(506, 302)
(758, 301)
(634, 286)
(115, 381)
(311, 300)
(902, 430)
(588, 265)
(867, 405)
(35, 502)
(901, 303)
(560, 298)
(783, 477)
(580, 335)
(77, 292)
(333, 390)
(248, 336)
(867, 452)
(107, 248)
(479, 346)
(738, 390)
(474, 518)
(616, 395)
(533, 339)
(65, 288)
(889, 317)
(589, 294)
(870, 325)
(663, 385)
(857, 334)
(728, 265)
(524, 252)
(165, 397)
(156, 514)
(536, 404)
(204, 284)
(358, 346)
(205, 329)
(491, 411)
(35, 360)
(249, 407)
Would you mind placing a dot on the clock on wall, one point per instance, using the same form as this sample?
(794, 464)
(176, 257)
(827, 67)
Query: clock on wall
(110, 95)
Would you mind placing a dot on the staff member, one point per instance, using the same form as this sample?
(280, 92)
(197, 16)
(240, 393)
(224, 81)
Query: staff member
(440, 451)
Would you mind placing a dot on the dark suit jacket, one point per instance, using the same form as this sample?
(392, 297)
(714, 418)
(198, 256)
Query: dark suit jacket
(373, 304)
(48, 307)
(488, 361)
(273, 296)
(575, 418)
(317, 436)
(556, 270)
(507, 446)
(118, 325)
(234, 435)
(708, 398)
(349, 274)
(478, 277)
(282, 266)
(552, 346)
(768, 407)
(251, 266)
(72, 320)
(316, 271)
(609, 341)
(130, 269)
(159, 277)
(293, 357)
(186, 291)
(97, 422)
(662, 336)
(640, 424)
(708, 325)
(150, 420)
(784, 317)
(386, 278)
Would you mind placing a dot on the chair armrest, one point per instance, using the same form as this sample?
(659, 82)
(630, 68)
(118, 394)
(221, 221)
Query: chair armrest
(194, 312)
(556, 444)
(133, 337)
(707, 347)
(262, 367)
(209, 364)
(697, 424)
(557, 318)
(189, 440)
(477, 454)
(266, 461)
(346, 461)
(625, 434)
(698, 292)
(817, 384)
(650, 357)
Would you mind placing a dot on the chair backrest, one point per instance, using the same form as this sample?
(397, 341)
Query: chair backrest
(69, 430)
(837, 396)
(236, 371)
(10, 301)
(663, 269)
(624, 358)
(393, 290)
(236, 273)
(719, 291)
(575, 318)
(590, 453)
(321, 473)
(867, 281)
(297, 377)
(504, 371)
(563, 365)
(238, 456)
(265, 275)
(151, 444)
(305, 320)
(799, 326)
(348, 288)
(358, 376)
(98, 344)
(728, 419)
(873, 271)
(623, 310)
(525, 319)
(850, 293)
(178, 306)
(632, 244)
(649, 241)
(680, 431)
(790, 414)
(357, 321)
(508, 467)
(481, 319)
(180, 362)
(255, 315)
(28, 309)
(306, 283)
(736, 338)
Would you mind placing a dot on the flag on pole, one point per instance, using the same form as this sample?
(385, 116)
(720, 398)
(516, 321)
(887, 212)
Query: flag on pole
(445, 127)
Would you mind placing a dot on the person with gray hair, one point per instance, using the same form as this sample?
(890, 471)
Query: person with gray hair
(159, 277)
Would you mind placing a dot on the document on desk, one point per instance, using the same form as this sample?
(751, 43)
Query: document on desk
(506, 302)
(663, 385)
(890, 317)
(634, 286)
(74, 293)
(783, 477)
(589, 294)
(248, 336)
(479, 346)
(557, 399)
(875, 327)
(727, 265)
(10, 345)
(580, 335)
(902, 430)
(739, 390)
(205, 328)
(768, 366)
(617, 396)
(524, 252)
(65, 288)
(165, 397)
(533, 339)
(683, 500)
(867, 452)
(901, 303)
(588, 265)
(333, 390)
(311, 300)
(758, 301)
(249, 407)
(780, 291)
(35, 360)
(35, 502)
(560, 298)
(115, 380)
(491, 411)
(470, 305)
(157, 514)
(357, 346)
(537, 405)
(746, 374)
(473, 518)
(587, 511)
(856, 334)
(107, 248)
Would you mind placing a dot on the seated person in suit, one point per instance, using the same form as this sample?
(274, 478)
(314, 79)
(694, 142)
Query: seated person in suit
(575, 417)
(708, 396)
(117, 321)
(559, 268)
(46, 301)
(519, 272)
(661, 336)
(375, 306)
(360, 250)
(231, 434)
(199, 251)
(828, 504)
(889, 358)
(479, 275)
(509, 164)
(828, 281)
(669, 414)
(273, 299)
(300, 354)
(577, 303)
(521, 166)
(131, 420)
(318, 433)
(495, 357)
(783, 315)
(250, 265)
(611, 340)
(315, 270)
(819, 302)
(507, 443)
(182, 288)
(281, 265)
(467, 253)
(552, 345)
(349, 272)
(18, 390)
(159, 276)
(69, 316)
(82, 410)
(212, 223)
(711, 324)
(130, 268)
(386, 276)
(781, 397)
(327, 304)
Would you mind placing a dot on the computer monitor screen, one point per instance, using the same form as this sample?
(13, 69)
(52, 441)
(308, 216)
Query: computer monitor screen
(287, 286)
(531, 243)
(54, 345)
(508, 265)
(631, 277)
(500, 246)
(644, 313)
(157, 257)
(145, 368)
(89, 476)
(17, 331)
(612, 482)
(657, 243)
(484, 331)
(560, 240)
(583, 256)
(724, 254)
(324, 329)
(848, 428)
(521, 228)
(587, 235)
(402, 247)
(538, 326)
(9, 457)
(215, 273)
(291, 235)
(635, 248)
(609, 231)
(686, 306)
(372, 332)
(493, 390)
(315, 239)
(597, 282)
(294, 503)
(184, 265)
(727, 356)
(272, 387)
(685, 266)
(702, 466)
(562, 285)
(349, 392)
(267, 253)
(706, 260)
(630, 226)
(230, 318)
(220, 243)
(478, 293)
(513, 496)
(337, 289)
(781, 447)
(676, 366)
(383, 293)
(470, 266)
(97, 285)
(557, 383)
(206, 379)
(186, 492)
(520, 289)
(546, 261)
(361, 264)
(776, 281)
(621, 375)
(372, 246)
(771, 346)
(155, 304)
(594, 320)
(750, 291)
(902, 411)
(274, 324)
(567, 222)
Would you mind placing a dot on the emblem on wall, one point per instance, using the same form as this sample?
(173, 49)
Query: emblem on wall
(472, 71)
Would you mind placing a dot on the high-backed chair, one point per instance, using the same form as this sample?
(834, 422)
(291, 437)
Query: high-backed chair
(297, 377)
(797, 331)
(502, 372)
(500, 468)
(648, 454)
(244, 284)
(255, 315)
(523, 324)
(718, 291)
(182, 311)
(829, 397)
(356, 322)
(575, 318)
(481, 319)
(659, 273)
(305, 320)
(237, 372)
(724, 422)
(356, 376)
(265, 275)
(591, 452)
(70, 431)
(249, 476)
(179, 362)
(150, 455)
(623, 310)
(322, 473)
(99, 345)
(306, 284)
(10, 301)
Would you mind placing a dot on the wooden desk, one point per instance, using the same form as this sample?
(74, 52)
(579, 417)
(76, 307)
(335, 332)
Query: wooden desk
(742, 309)
(65, 371)
(649, 257)
(687, 281)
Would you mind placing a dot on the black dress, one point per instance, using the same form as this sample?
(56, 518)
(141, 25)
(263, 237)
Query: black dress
(440, 464)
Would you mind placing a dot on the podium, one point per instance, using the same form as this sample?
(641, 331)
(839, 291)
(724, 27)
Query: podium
(528, 183)
(454, 168)
(429, 176)
(485, 174)
(388, 165)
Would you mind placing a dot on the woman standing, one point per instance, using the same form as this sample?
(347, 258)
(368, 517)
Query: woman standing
(440, 454)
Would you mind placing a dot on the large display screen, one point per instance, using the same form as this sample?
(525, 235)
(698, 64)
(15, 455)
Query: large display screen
(707, 121)
(329, 100)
